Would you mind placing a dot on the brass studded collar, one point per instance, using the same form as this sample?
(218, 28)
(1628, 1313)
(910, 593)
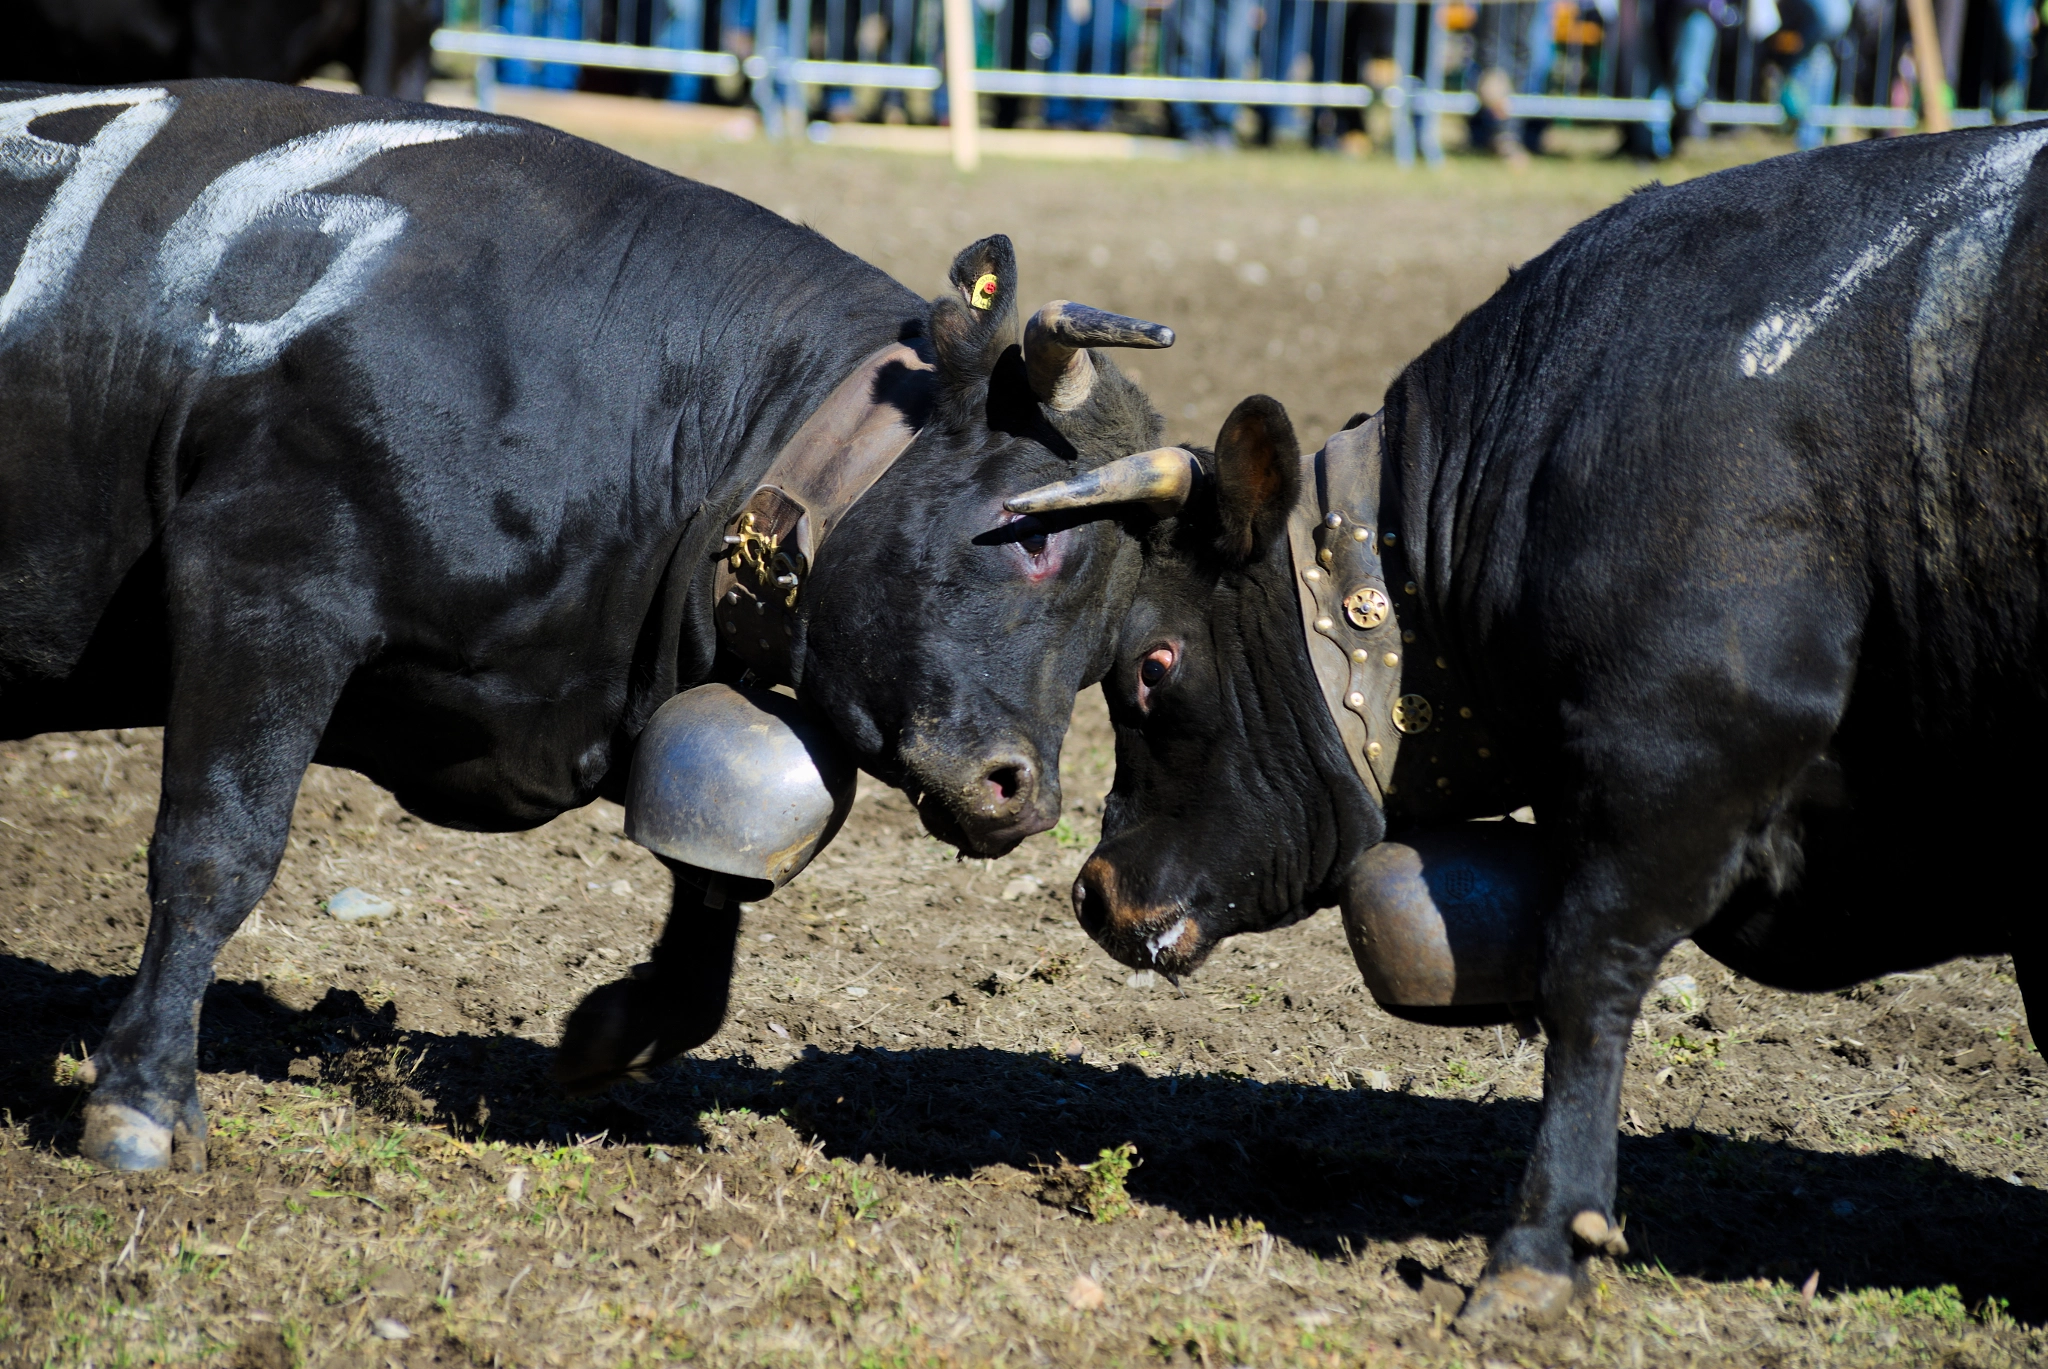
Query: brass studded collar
(773, 542)
(1408, 724)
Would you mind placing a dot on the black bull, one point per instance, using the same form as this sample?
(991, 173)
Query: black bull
(1727, 513)
(104, 42)
(405, 440)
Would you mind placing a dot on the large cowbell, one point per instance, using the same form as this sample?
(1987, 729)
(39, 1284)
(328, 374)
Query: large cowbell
(738, 780)
(1446, 924)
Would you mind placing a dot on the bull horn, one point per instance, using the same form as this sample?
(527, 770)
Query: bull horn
(1054, 348)
(1163, 478)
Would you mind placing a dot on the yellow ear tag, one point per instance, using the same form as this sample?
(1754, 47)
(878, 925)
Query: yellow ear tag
(984, 293)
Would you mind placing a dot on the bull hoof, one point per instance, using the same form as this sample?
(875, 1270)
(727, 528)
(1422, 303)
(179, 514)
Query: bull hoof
(603, 1043)
(121, 1137)
(1525, 1295)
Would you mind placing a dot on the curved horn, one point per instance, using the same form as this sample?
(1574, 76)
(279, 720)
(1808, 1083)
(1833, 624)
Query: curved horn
(1055, 339)
(1163, 478)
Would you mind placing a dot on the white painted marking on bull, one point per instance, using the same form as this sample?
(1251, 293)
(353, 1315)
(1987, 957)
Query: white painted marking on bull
(1774, 341)
(1169, 938)
(277, 186)
(56, 243)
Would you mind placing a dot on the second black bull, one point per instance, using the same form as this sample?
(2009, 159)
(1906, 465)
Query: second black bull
(1720, 536)
(409, 440)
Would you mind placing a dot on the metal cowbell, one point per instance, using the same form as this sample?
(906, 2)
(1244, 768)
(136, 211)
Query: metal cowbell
(738, 780)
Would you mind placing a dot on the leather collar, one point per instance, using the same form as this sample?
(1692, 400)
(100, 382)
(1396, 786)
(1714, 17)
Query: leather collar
(773, 541)
(1409, 725)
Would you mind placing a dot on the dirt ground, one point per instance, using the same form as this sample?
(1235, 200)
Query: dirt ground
(875, 1162)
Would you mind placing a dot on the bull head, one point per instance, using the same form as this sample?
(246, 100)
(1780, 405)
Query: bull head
(959, 634)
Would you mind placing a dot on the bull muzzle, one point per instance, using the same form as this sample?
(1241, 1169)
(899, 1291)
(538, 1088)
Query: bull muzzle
(1142, 935)
(988, 805)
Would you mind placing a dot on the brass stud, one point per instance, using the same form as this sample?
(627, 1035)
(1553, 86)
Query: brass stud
(1366, 607)
(1324, 624)
(1464, 712)
(1389, 538)
(1355, 699)
(1360, 655)
(1372, 751)
(1326, 556)
(1408, 588)
(1485, 754)
(1311, 574)
(1444, 782)
(1360, 534)
(1390, 659)
(1412, 713)
(1442, 664)
(1333, 520)
(1409, 636)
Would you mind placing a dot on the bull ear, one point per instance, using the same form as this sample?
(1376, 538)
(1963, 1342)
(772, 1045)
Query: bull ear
(974, 324)
(1258, 477)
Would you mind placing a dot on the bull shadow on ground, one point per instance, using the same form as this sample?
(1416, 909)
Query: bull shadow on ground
(1319, 1166)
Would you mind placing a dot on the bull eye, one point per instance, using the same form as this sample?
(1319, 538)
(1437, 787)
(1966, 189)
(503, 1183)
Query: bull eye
(1153, 669)
(1033, 544)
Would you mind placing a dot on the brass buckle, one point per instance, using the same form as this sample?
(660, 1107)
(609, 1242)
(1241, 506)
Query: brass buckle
(761, 552)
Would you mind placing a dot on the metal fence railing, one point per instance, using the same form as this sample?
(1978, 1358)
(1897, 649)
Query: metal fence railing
(1307, 70)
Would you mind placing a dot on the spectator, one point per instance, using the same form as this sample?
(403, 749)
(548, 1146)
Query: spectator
(1516, 36)
(685, 31)
(2015, 54)
(1810, 79)
(541, 19)
(1195, 24)
(1692, 60)
(1089, 25)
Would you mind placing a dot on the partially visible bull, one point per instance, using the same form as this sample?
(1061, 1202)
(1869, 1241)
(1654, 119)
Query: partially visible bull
(101, 42)
(408, 440)
(1720, 535)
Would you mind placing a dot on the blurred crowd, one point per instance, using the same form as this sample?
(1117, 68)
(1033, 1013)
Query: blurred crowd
(1804, 55)
(1806, 58)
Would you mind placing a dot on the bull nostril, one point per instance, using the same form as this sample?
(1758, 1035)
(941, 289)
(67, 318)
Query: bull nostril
(1091, 902)
(1007, 785)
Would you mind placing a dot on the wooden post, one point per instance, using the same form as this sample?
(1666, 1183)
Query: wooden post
(1927, 59)
(962, 103)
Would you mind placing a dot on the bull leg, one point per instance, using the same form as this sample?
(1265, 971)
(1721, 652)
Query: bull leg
(1592, 985)
(674, 1004)
(1655, 876)
(237, 742)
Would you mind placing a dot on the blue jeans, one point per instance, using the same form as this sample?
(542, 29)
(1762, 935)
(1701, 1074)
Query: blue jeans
(1293, 41)
(1697, 38)
(1195, 24)
(540, 19)
(684, 30)
(1810, 84)
(2015, 21)
(1096, 34)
